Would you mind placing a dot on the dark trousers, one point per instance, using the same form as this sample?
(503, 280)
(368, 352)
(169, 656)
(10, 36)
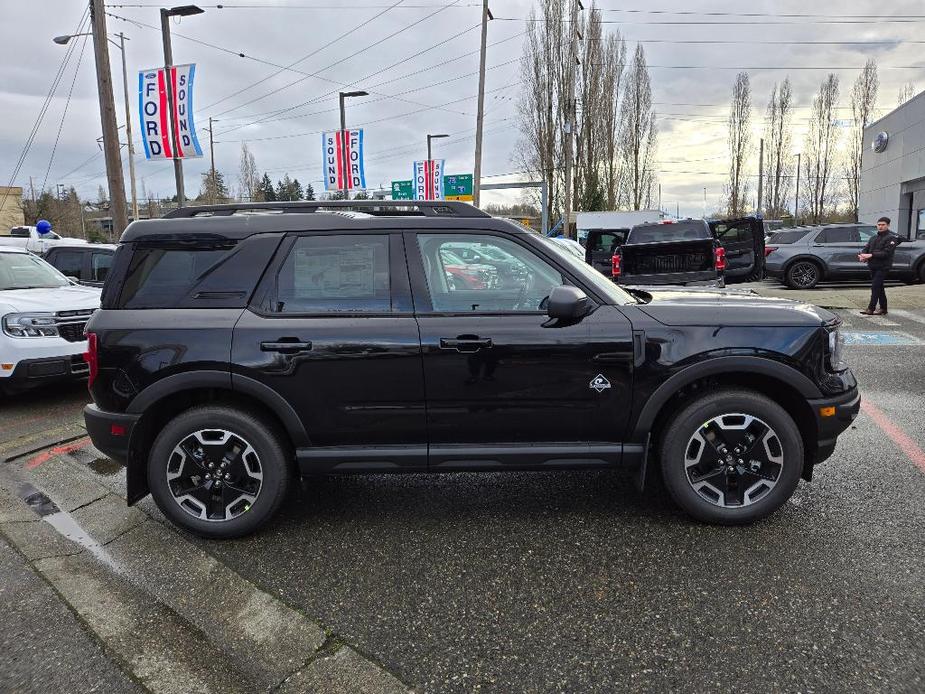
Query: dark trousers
(877, 292)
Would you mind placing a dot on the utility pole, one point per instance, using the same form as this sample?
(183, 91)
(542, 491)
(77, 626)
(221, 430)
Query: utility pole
(212, 157)
(108, 118)
(348, 173)
(128, 129)
(760, 176)
(796, 200)
(477, 171)
(168, 63)
(570, 114)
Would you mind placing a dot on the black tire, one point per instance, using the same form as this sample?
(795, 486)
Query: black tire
(678, 446)
(803, 274)
(921, 272)
(244, 513)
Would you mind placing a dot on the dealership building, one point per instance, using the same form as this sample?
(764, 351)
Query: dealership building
(893, 170)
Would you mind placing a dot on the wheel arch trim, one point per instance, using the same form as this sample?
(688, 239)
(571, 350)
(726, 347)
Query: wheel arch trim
(786, 375)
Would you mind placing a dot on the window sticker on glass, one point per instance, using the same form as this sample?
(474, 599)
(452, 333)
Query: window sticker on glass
(335, 272)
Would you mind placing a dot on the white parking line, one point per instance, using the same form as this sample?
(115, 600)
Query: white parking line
(910, 315)
(879, 320)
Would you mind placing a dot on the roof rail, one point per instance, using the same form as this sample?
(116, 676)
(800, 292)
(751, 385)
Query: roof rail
(381, 208)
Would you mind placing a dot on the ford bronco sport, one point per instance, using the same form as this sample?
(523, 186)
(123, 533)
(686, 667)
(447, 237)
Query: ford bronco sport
(241, 345)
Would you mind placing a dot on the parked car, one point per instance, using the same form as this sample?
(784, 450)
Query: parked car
(226, 359)
(510, 271)
(804, 256)
(42, 315)
(742, 240)
(683, 253)
(88, 264)
(28, 238)
(465, 275)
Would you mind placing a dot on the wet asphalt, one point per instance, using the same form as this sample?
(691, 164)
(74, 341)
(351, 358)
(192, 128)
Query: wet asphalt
(577, 582)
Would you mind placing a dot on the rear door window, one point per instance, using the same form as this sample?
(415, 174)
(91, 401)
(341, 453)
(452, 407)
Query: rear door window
(839, 235)
(346, 273)
(784, 237)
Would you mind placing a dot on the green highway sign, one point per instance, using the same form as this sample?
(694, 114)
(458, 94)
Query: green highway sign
(402, 190)
(458, 187)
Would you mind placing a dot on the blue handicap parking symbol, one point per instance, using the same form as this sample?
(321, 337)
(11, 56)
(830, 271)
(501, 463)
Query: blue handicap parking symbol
(880, 339)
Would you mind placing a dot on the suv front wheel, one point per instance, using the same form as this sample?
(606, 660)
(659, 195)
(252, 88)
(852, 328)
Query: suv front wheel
(732, 457)
(218, 471)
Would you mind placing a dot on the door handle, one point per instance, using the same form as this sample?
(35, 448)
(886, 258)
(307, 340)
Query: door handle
(286, 345)
(465, 343)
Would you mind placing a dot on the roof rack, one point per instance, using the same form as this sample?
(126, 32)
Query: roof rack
(379, 208)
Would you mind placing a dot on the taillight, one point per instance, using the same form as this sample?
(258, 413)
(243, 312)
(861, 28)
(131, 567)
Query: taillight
(719, 255)
(92, 358)
(768, 250)
(615, 265)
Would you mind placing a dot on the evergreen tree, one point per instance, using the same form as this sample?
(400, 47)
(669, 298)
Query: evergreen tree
(213, 194)
(266, 190)
(309, 192)
(297, 192)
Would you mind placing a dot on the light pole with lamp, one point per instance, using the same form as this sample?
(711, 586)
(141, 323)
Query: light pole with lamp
(433, 137)
(166, 14)
(343, 96)
(62, 40)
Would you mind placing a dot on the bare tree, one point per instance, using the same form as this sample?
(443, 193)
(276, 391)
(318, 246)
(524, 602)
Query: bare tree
(544, 69)
(905, 94)
(863, 102)
(248, 178)
(739, 139)
(778, 139)
(820, 194)
(638, 135)
(614, 59)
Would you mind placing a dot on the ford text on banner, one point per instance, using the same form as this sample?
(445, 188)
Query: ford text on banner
(156, 133)
(428, 180)
(337, 174)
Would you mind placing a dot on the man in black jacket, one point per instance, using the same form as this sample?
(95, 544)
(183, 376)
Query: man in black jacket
(878, 254)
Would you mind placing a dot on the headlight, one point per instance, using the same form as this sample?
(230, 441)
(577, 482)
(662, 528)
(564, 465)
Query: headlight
(836, 350)
(30, 325)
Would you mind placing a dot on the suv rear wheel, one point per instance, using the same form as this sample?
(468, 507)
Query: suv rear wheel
(803, 274)
(218, 471)
(732, 457)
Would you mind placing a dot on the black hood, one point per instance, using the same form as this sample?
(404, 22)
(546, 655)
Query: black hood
(718, 307)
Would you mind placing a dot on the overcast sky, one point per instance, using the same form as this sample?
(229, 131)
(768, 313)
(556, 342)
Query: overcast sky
(692, 103)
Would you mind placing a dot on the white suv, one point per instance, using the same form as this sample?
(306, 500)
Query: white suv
(42, 319)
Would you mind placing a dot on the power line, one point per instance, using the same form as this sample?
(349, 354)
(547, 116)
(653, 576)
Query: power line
(305, 57)
(790, 15)
(879, 20)
(343, 60)
(46, 104)
(67, 103)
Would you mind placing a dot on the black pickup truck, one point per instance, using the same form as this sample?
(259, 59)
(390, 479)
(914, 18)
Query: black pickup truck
(742, 241)
(682, 252)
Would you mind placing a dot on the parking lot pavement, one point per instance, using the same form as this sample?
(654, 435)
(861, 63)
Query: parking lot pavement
(842, 295)
(38, 418)
(574, 581)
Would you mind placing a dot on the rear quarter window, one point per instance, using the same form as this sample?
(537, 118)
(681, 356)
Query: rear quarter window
(783, 237)
(161, 277)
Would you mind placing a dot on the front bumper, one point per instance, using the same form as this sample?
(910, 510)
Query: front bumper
(31, 373)
(110, 432)
(833, 416)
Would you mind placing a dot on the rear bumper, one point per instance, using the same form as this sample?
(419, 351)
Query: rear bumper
(840, 412)
(110, 432)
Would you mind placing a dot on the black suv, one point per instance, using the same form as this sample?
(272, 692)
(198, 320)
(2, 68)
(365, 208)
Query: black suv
(239, 346)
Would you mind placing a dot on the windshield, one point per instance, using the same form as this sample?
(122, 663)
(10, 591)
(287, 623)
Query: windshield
(25, 271)
(588, 274)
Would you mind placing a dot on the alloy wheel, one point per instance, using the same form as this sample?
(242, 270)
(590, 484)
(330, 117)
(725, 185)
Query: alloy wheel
(214, 475)
(804, 274)
(733, 460)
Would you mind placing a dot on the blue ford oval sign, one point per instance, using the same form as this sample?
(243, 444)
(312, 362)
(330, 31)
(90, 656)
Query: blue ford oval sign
(880, 142)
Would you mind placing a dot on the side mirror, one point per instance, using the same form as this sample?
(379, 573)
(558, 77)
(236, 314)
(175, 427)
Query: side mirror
(568, 303)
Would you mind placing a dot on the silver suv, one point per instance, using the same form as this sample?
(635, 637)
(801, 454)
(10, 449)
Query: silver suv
(804, 256)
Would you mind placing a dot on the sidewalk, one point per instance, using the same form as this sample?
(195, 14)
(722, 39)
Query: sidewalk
(849, 296)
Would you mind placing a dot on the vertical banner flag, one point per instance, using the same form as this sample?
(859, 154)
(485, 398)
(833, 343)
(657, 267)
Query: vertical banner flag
(428, 180)
(157, 128)
(341, 174)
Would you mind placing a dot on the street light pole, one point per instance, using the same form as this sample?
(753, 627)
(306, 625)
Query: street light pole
(433, 137)
(343, 96)
(128, 129)
(181, 11)
(796, 199)
(108, 117)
